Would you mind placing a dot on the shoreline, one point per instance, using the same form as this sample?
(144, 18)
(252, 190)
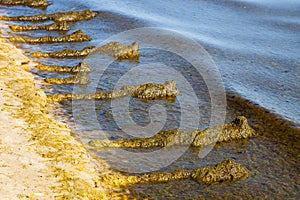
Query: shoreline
(65, 161)
(40, 157)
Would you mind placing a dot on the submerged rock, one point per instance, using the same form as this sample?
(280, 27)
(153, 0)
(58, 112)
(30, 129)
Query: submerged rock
(71, 16)
(157, 91)
(30, 3)
(77, 36)
(57, 26)
(81, 67)
(237, 129)
(67, 53)
(226, 171)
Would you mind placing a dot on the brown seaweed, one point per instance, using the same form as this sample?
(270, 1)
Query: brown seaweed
(81, 67)
(153, 91)
(71, 16)
(237, 129)
(77, 36)
(81, 78)
(57, 26)
(67, 53)
(115, 49)
(42, 4)
(226, 171)
(119, 50)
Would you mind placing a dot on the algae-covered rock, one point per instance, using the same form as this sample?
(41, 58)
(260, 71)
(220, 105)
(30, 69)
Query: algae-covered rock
(153, 91)
(81, 78)
(119, 50)
(67, 53)
(237, 129)
(225, 171)
(30, 3)
(57, 26)
(81, 67)
(115, 49)
(71, 16)
(77, 36)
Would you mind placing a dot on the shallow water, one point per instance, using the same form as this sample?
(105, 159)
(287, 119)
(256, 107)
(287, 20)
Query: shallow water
(255, 46)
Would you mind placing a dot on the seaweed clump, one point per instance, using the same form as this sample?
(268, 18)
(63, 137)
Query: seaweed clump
(226, 171)
(119, 50)
(42, 4)
(67, 53)
(154, 91)
(81, 79)
(81, 67)
(237, 129)
(115, 49)
(77, 36)
(71, 16)
(57, 26)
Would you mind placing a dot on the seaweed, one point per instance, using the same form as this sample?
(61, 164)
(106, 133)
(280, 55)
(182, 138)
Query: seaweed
(77, 36)
(57, 26)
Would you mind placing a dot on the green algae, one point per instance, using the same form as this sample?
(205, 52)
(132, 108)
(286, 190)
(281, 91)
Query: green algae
(77, 36)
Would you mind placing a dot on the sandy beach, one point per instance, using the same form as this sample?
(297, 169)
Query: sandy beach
(39, 158)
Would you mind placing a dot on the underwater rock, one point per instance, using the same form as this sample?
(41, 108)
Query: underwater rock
(154, 91)
(30, 3)
(237, 129)
(77, 36)
(81, 78)
(72, 16)
(119, 50)
(226, 171)
(81, 67)
(57, 26)
(67, 53)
